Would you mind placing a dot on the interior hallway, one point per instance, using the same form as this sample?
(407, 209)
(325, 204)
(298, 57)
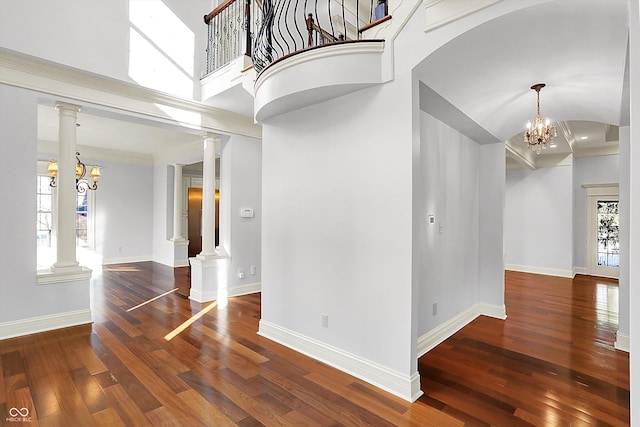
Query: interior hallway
(153, 357)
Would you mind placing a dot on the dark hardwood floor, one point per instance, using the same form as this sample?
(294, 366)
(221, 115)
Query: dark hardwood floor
(153, 357)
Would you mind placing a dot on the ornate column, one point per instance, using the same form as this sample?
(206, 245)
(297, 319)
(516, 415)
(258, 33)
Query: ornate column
(210, 269)
(209, 197)
(178, 233)
(66, 219)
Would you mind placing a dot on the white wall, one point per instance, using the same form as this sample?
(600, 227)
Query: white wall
(125, 40)
(462, 185)
(20, 296)
(537, 220)
(491, 224)
(625, 224)
(449, 164)
(124, 207)
(588, 170)
(241, 187)
(162, 214)
(336, 225)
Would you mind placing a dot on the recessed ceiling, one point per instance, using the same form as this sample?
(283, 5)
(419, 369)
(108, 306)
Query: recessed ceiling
(115, 134)
(577, 47)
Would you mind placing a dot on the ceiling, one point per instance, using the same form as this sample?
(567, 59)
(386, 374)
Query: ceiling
(117, 133)
(577, 47)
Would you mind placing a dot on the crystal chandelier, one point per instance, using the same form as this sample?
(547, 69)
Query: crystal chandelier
(539, 131)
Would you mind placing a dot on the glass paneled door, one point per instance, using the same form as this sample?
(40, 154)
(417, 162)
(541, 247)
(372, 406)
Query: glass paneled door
(603, 232)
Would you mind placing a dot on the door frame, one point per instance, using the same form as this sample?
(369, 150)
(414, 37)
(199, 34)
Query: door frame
(595, 193)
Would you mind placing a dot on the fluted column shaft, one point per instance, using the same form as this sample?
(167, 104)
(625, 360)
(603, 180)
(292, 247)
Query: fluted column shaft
(66, 182)
(209, 196)
(178, 233)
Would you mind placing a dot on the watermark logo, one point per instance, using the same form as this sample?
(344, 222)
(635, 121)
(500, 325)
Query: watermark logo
(18, 415)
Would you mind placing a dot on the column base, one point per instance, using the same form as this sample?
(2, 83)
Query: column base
(180, 252)
(209, 277)
(64, 275)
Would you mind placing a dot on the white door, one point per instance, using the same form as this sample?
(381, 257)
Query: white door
(603, 227)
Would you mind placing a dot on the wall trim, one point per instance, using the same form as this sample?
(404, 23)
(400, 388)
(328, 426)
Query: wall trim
(234, 291)
(623, 342)
(50, 322)
(28, 72)
(404, 386)
(442, 12)
(540, 270)
(445, 330)
(579, 270)
(126, 260)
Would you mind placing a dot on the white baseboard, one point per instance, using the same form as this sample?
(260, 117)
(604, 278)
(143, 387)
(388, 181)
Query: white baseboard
(623, 342)
(579, 270)
(540, 270)
(440, 333)
(44, 323)
(126, 260)
(234, 291)
(404, 386)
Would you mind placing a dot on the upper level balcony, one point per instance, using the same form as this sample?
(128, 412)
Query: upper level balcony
(267, 57)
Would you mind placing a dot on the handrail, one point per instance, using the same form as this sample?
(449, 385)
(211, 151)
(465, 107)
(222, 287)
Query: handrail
(215, 12)
(374, 23)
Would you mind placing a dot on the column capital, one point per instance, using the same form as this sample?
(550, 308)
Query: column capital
(65, 106)
(210, 136)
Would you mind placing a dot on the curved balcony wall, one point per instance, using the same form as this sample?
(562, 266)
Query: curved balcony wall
(315, 75)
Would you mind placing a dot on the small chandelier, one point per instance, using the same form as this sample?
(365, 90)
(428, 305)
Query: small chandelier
(81, 171)
(540, 131)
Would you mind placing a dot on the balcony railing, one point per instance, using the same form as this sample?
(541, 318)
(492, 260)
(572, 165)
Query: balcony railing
(268, 30)
(231, 28)
(290, 26)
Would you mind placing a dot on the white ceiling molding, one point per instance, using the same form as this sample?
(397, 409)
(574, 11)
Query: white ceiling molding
(442, 12)
(515, 154)
(566, 131)
(52, 78)
(601, 150)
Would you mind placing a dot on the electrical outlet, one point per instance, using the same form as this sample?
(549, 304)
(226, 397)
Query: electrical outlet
(240, 273)
(325, 321)
(253, 270)
(435, 309)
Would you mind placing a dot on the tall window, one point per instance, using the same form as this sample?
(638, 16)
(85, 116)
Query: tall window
(44, 215)
(82, 220)
(45, 218)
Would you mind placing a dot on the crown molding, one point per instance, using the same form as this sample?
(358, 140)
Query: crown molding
(28, 72)
(441, 12)
(518, 156)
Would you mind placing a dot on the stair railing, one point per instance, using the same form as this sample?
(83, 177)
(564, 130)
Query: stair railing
(231, 31)
(268, 30)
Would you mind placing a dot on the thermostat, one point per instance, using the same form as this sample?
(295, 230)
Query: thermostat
(246, 213)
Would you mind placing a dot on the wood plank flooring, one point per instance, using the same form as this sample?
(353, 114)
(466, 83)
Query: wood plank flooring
(153, 357)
